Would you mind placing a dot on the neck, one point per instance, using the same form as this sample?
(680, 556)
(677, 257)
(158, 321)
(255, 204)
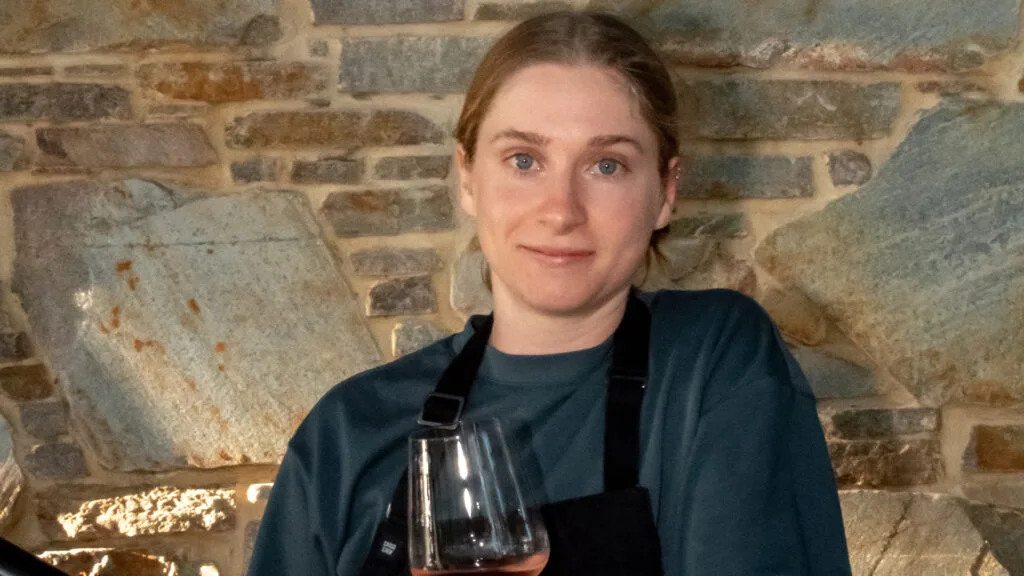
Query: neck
(521, 329)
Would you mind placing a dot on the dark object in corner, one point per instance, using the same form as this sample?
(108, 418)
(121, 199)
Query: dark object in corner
(16, 562)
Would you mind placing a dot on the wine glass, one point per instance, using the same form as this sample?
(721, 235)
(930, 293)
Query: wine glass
(468, 513)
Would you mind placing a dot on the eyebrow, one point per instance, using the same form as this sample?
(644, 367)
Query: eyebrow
(540, 140)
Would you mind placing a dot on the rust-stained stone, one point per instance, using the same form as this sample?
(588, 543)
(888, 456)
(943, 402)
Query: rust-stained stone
(219, 82)
(126, 146)
(878, 463)
(110, 562)
(389, 212)
(331, 129)
(32, 26)
(14, 347)
(921, 266)
(26, 382)
(190, 329)
(63, 102)
(995, 448)
(413, 295)
(92, 513)
(11, 479)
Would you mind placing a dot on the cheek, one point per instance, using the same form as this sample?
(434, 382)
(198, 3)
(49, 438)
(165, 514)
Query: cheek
(502, 205)
(631, 216)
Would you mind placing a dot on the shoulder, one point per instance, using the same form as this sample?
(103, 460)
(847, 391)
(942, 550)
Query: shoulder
(717, 312)
(732, 338)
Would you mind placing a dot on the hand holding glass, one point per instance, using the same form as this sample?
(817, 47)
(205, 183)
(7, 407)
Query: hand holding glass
(467, 511)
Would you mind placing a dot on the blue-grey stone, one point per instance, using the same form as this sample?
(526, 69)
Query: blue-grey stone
(384, 261)
(858, 424)
(389, 212)
(747, 177)
(435, 64)
(924, 265)
(10, 475)
(390, 12)
(1003, 530)
(832, 377)
(187, 328)
(516, 10)
(852, 33)
(58, 460)
(752, 109)
(710, 226)
(45, 420)
(849, 168)
(409, 336)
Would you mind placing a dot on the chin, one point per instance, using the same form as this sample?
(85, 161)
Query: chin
(559, 298)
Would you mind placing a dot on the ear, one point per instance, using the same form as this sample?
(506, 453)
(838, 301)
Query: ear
(466, 198)
(669, 186)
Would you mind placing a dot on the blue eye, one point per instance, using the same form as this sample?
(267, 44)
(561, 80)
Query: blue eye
(523, 161)
(607, 167)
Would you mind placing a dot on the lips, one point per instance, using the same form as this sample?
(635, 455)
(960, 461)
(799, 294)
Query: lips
(557, 255)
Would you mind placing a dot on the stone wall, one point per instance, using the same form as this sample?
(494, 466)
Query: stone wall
(212, 212)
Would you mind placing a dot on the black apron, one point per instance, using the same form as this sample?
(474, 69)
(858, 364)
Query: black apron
(607, 534)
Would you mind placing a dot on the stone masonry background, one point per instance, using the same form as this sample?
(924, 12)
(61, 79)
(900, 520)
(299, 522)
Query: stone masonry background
(211, 212)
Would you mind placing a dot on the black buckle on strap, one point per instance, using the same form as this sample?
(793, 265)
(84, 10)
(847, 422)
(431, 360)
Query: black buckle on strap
(442, 411)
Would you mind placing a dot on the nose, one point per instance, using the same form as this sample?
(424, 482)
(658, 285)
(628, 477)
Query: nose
(563, 207)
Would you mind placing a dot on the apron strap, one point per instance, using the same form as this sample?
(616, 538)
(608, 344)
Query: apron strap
(627, 381)
(443, 408)
(389, 553)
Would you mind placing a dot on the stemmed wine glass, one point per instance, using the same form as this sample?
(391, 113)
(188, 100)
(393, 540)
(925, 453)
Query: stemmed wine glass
(467, 510)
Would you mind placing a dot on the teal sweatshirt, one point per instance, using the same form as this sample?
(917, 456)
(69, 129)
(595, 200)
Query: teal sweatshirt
(732, 450)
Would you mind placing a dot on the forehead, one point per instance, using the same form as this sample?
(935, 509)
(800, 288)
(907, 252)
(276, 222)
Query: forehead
(566, 102)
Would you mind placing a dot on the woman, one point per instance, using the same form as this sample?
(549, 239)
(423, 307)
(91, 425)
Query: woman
(568, 161)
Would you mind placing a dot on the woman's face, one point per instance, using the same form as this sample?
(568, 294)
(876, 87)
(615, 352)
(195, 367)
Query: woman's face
(565, 188)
